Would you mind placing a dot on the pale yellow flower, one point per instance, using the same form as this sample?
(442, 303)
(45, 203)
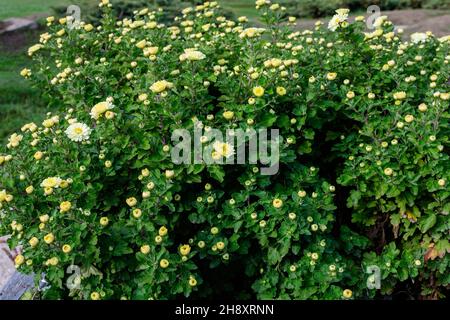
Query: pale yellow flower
(34, 49)
(100, 108)
(258, 91)
(399, 95)
(65, 206)
(192, 55)
(51, 182)
(33, 242)
(281, 91)
(228, 115)
(14, 140)
(88, 27)
(49, 238)
(145, 249)
(160, 86)
(331, 76)
(277, 203)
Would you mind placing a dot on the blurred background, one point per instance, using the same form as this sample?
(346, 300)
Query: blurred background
(21, 22)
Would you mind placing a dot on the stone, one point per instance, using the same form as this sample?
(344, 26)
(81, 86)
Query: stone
(14, 24)
(12, 284)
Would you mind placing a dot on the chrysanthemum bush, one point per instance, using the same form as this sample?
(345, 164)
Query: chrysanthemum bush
(363, 169)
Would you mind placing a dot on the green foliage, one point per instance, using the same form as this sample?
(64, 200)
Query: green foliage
(315, 8)
(94, 185)
(126, 9)
(322, 8)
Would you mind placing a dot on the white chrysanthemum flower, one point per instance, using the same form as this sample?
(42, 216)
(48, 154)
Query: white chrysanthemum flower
(223, 148)
(340, 17)
(78, 132)
(418, 37)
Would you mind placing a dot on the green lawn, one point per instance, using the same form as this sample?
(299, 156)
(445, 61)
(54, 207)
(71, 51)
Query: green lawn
(23, 8)
(16, 95)
(18, 101)
(241, 7)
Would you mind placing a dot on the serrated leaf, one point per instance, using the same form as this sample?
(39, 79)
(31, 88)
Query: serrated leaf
(427, 223)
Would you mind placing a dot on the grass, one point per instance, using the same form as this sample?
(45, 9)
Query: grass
(23, 8)
(241, 8)
(17, 98)
(16, 95)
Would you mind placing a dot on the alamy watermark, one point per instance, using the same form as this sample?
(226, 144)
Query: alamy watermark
(74, 280)
(374, 279)
(73, 17)
(372, 20)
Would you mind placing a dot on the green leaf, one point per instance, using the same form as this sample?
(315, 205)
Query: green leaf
(395, 219)
(237, 226)
(381, 190)
(267, 120)
(216, 172)
(354, 198)
(309, 134)
(273, 256)
(283, 121)
(443, 246)
(305, 147)
(345, 179)
(427, 223)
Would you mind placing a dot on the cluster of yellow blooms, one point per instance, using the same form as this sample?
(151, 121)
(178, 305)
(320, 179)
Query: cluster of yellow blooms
(161, 87)
(52, 183)
(5, 197)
